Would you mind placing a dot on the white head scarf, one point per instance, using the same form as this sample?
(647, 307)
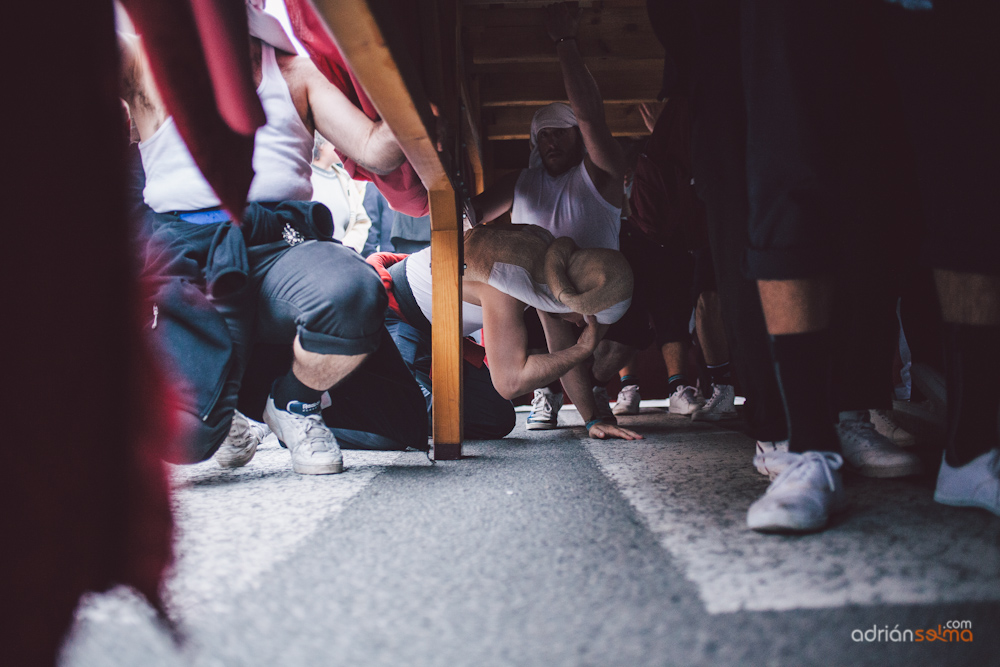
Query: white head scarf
(556, 114)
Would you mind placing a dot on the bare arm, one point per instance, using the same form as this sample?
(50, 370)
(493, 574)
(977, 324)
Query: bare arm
(514, 371)
(369, 143)
(585, 98)
(495, 200)
(576, 381)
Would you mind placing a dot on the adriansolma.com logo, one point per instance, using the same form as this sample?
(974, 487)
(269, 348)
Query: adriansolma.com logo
(952, 631)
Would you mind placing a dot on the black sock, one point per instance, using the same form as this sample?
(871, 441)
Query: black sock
(972, 369)
(676, 381)
(804, 365)
(626, 380)
(720, 373)
(289, 388)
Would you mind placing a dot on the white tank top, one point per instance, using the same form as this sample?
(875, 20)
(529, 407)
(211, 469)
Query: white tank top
(510, 279)
(281, 156)
(566, 205)
(418, 275)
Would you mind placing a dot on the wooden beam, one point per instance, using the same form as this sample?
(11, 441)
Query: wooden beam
(375, 53)
(514, 122)
(519, 35)
(388, 77)
(446, 333)
(526, 88)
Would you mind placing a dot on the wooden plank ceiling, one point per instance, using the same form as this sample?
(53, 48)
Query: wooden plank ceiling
(511, 65)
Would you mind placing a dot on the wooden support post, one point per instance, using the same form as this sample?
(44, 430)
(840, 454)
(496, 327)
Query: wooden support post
(372, 48)
(446, 333)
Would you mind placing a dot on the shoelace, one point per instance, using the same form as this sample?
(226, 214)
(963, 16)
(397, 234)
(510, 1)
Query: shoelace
(825, 459)
(539, 401)
(310, 437)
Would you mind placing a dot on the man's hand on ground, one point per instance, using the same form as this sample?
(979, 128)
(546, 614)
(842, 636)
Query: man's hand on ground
(561, 21)
(602, 431)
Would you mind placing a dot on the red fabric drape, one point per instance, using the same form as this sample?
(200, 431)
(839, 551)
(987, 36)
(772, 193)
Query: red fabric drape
(401, 188)
(84, 493)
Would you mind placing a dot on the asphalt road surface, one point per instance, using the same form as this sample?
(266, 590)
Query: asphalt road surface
(547, 548)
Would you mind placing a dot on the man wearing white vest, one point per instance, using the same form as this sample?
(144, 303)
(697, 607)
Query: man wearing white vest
(574, 186)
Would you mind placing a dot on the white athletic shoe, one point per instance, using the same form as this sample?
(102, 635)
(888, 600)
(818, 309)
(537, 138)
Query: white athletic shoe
(870, 453)
(887, 426)
(768, 459)
(545, 408)
(313, 447)
(240, 445)
(684, 401)
(976, 484)
(720, 405)
(628, 400)
(802, 497)
(603, 405)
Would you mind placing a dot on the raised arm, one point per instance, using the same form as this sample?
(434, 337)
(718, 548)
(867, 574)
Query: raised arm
(584, 96)
(369, 143)
(495, 200)
(514, 371)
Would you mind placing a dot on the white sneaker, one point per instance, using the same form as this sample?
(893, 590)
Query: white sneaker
(870, 453)
(240, 445)
(684, 401)
(628, 400)
(769, 460)
(802, 497)
(603, 401)
(976, 484)
(545, 408)
(312, 444)
(720, 405)
(887, 426)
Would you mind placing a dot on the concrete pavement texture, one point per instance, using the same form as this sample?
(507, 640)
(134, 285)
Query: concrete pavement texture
(549, 548)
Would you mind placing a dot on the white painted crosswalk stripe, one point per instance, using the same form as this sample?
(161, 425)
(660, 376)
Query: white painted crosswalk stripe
(895, 545)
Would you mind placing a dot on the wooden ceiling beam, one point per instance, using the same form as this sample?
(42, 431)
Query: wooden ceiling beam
(530, 88)
(514, 36)
(502, 123)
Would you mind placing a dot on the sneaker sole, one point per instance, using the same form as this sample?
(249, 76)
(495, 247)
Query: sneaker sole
(541, 426)
(234, 461)
(965, 502)
(786, 522)
(625, 412)
(679, 412)
(306, 469)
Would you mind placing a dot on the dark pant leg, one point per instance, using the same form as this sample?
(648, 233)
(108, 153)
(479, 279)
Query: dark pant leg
(744, 320)
(334, 301)
(379, 406)
(206, 435)
(326, 294)
(719, 162)
(486, 414)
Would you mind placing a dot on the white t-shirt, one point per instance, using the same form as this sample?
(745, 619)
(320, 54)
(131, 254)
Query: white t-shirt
(418, 275)
(510, 279)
